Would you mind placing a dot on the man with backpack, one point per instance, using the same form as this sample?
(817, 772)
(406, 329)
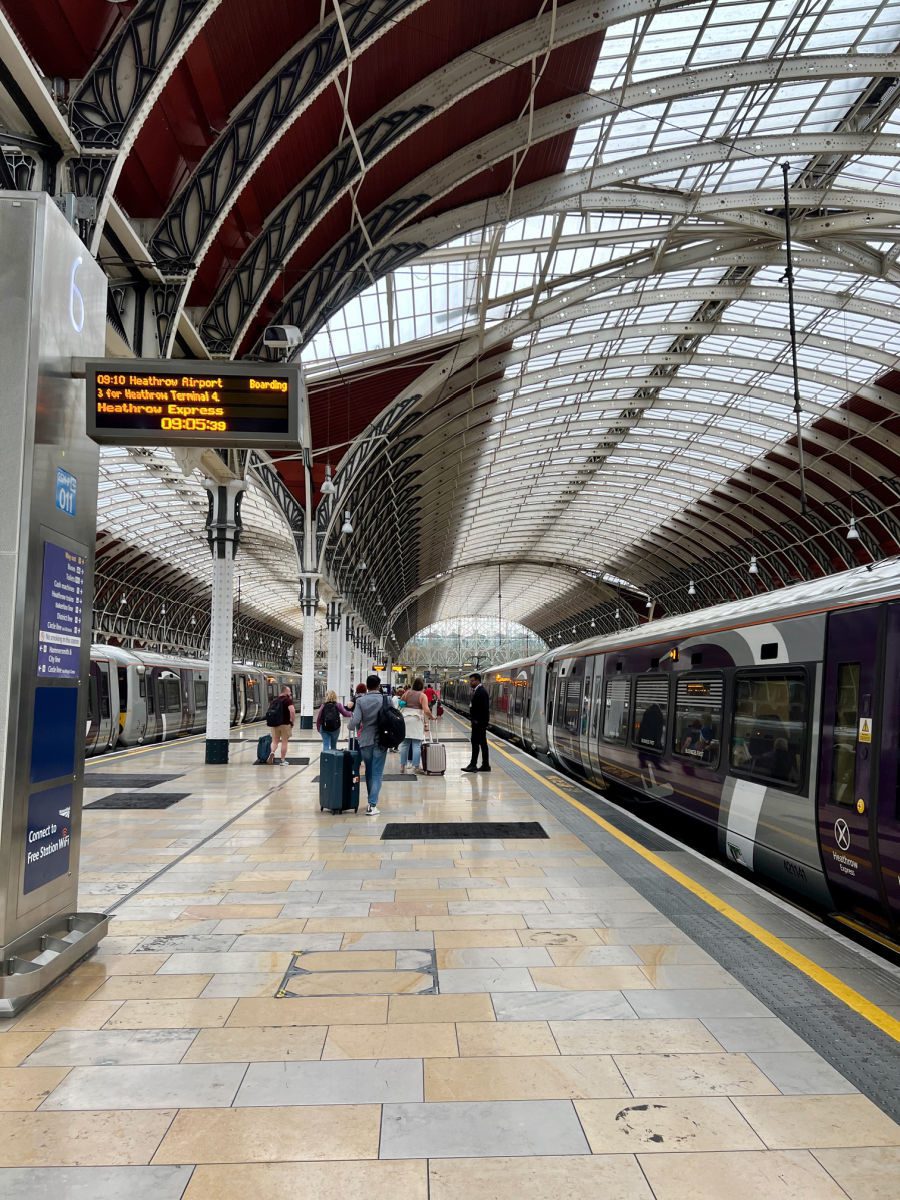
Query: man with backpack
(381, 728)
(280, 719)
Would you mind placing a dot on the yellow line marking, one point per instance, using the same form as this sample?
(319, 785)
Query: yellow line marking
(877, 1016)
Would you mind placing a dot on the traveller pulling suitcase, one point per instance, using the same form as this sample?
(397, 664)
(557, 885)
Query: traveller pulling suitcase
(434, 755)
(339, 780)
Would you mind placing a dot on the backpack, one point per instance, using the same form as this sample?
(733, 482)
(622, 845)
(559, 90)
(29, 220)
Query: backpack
(331, 718)
(263, 749)
(391, 727)
(274, 713)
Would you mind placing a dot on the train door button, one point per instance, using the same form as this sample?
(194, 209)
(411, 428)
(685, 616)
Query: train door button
(860, 806)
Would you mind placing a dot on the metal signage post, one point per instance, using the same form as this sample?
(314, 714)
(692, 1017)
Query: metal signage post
(52, 309)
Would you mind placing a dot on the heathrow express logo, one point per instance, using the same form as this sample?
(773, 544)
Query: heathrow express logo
(842, 834)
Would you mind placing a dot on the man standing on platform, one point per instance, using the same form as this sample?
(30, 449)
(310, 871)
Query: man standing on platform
(365, 719)
(479, 713)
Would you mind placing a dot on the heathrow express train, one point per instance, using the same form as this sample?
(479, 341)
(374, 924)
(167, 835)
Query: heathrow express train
(135, 697)
(774, 719)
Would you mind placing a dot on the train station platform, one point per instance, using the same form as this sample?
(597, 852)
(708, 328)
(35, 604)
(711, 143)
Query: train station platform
(288, 1004)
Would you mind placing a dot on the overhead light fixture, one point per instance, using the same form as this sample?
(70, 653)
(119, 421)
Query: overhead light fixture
(593, 623)
(347, 527)
(617, 614)
(361, 566)
(327, 488)
(692, 591)
(122, 601)
(753, 569)
(852, 534)
(647, 605)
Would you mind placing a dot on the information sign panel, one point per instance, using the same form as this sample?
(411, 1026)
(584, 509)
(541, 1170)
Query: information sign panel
(62, 601)
(134, 402)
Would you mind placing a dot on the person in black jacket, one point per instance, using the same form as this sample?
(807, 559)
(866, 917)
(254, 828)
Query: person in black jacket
(479, 712)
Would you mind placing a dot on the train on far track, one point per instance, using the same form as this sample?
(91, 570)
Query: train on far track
(137, 698)
(773, 719)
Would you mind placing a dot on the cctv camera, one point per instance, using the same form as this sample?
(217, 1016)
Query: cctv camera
(282, 337)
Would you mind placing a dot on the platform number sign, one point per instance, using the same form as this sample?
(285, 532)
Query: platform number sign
(66, 492)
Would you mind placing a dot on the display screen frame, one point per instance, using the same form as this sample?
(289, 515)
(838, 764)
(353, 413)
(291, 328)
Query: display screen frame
(124, 434)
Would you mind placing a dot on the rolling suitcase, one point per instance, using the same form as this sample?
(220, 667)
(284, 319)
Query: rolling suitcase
(339, 780)
(434, 756)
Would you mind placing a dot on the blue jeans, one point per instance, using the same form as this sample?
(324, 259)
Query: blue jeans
(374, 757)
(411, 750)
(329, 738)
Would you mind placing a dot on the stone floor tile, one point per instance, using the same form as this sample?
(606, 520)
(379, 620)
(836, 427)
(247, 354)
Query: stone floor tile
(481, 1130)
(475, 939)
(593, 956)
(693, 1075)
(359, 983)
(696, 1002)
(416, 1009)
(94, 1183)
(152, 987)
(25, 1090)
(633, 1037)
(170, 1014)
(559, 937)
(564, 921)
(213, 963)
(478, 1039)
(617, 934)
(237, 984)
(467, 924)
(677, 955)
(373, 1081)
(296, 1134)
(52, 1014)
(387, 941)
(777, 1175)
(562, 1006)
(802, 1073)
(864, 1174)
(495, 956)
(486, 979)
(309, 1011)
(682, 1124)
(486, 908)
(537, 1077)
(319, 1181)
(78, 987)
(580, 1177)
(585, 979)
(15, 1047)
(256, 1045)
(284, 943)
(121, 964)
(813, 1122)
(685, 976)
(195, 1086)
(112, 1047)
(227, 911)
(294, 926)
(434, 1040)
(55, 1139)
(345, 925)
(184, 944)
(750, 1034)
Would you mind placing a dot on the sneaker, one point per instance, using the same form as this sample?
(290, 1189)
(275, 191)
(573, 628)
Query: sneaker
(372, 812)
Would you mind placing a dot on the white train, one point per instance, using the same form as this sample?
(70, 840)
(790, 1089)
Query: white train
(136, 698)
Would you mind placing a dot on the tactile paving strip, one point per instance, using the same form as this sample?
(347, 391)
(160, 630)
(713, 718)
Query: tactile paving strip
(852, 1045)
(100, 779)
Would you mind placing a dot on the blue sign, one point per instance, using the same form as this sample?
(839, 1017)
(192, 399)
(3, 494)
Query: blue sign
(66, 492)
(48, 836)
(62, 603)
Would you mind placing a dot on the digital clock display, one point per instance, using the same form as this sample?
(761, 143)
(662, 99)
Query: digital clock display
(180, 402)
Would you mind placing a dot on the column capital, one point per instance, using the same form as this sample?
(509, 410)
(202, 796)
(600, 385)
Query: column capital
(223, 516)
(333, 614)
(309, 594)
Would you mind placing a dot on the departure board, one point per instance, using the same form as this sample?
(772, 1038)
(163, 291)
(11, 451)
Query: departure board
(133, 402)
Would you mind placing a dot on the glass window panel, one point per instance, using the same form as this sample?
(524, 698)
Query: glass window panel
(768, 739)
(651, 709)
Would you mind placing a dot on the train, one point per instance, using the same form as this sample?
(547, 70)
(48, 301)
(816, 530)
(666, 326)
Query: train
(773, 719)
(137, 698)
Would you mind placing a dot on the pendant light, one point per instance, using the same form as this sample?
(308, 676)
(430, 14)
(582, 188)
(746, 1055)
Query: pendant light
(753, 569)
(347, 527)
(852, 533)
(692, 591)
(327, 488)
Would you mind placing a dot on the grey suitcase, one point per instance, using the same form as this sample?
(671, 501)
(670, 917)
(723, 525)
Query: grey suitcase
(434, 757)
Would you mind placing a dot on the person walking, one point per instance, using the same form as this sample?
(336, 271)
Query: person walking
(415, 713)
(281, 733)
(365, 720)
(479, 714)
(328, 720)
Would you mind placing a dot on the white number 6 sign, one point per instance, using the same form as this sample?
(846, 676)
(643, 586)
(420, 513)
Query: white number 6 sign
(76, 300)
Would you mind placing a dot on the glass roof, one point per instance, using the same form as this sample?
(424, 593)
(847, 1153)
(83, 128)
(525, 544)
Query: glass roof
(641, 321)
(145, 501)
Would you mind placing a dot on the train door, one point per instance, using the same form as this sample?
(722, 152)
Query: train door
(596, 713)
(848, 774)
(154, 724)
(887, 817)
(100, 733)
(555, 693)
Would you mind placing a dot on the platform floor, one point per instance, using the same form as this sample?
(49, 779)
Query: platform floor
(582, 1043)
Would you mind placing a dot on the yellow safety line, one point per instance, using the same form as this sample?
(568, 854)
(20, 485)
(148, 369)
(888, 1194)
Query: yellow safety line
(877, 1016)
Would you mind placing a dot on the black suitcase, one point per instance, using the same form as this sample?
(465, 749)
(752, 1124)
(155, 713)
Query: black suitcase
(339, 780)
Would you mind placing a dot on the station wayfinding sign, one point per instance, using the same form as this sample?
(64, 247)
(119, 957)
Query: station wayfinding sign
(177, 402)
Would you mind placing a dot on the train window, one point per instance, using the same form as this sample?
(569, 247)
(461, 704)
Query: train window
(93, 699)
(651, 711)
(595, 715)
(123, 689)
(573, 705)
(846, 724)
(151, 698)
(698, 718)
(768, 736)
(142, 684)
(200, 691)
(768, 650)
(104, 695)
(170, 695)
(616, 704)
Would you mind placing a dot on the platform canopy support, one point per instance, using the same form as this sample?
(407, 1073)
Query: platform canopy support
(223, 531)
